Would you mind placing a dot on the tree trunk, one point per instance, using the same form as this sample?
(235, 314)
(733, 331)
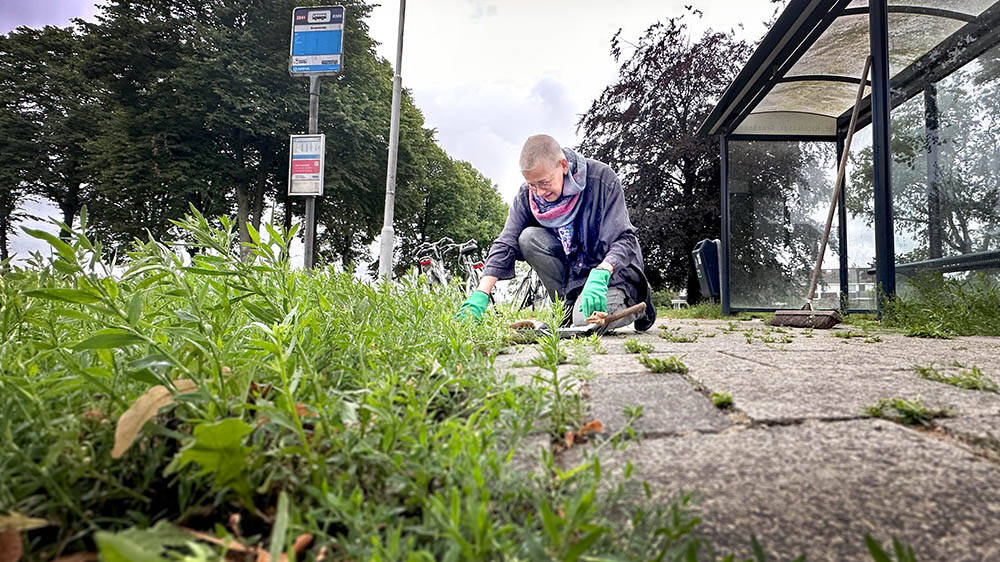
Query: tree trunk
(4, 227)
(260, 189)
(70, 207)
(242, 212)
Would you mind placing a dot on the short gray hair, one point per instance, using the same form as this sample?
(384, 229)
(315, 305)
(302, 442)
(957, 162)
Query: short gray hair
(540, 149)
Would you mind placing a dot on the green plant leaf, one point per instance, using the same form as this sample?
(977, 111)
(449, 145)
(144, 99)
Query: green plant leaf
(75, 296)
(878, 555)
(135, 309)
(280, 527)
(109, 340)
(581, 546)
(64, 249)
(119, 548)
(758, 551)
(218, 448)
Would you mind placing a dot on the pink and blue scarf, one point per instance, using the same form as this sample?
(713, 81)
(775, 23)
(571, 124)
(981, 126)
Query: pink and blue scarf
(560, 214)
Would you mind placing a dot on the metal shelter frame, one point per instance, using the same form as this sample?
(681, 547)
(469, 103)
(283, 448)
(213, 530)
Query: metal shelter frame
(795, 31)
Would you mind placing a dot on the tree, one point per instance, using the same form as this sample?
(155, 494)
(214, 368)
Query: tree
(55, 110)
(162, 104)
(645, 127)
(961, 214)
(20, 157)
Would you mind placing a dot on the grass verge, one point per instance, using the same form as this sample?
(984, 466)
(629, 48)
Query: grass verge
(940, 307)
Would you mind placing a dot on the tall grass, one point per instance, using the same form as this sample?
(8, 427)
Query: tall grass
(366, 416)
(936, 305)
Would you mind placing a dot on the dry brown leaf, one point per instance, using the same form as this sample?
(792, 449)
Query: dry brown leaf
(569, 437)
(78, 557)
(20, 522)
(593, 427)
(142, 410)
(10, 545)
(301, 542)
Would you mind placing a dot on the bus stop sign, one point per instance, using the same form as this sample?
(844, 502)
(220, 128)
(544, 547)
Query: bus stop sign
(317, 40)
(306, 160)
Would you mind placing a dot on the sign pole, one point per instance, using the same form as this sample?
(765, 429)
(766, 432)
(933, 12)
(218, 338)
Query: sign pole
(316, 49)
(385, 252)
(310, 233)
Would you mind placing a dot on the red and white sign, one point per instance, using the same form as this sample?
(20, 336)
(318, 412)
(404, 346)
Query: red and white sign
(306, 159)
(305, 166)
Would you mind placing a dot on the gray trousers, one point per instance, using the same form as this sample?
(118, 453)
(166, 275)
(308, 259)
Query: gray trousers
(544, 253)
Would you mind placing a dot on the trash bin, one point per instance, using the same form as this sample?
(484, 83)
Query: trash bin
(706, 264)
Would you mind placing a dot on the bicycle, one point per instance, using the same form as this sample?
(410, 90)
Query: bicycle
(431, 261)
(529, 291)
(471, 268)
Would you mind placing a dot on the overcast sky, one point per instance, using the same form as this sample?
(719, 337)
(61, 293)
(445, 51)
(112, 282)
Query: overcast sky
(488, 73)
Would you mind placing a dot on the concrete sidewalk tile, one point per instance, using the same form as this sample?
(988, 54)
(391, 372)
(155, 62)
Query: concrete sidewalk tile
(774, 386)
(817, 488)
(669, 404)
(985, 429)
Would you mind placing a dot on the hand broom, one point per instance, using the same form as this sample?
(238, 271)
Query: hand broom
(825, 319)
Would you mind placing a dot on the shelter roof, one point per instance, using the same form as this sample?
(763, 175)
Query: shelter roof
(803, 77)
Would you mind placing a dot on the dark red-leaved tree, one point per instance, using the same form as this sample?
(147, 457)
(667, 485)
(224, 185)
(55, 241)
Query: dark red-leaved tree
(645, 127)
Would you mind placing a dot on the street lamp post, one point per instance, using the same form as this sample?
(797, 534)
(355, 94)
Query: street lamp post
(385, 252)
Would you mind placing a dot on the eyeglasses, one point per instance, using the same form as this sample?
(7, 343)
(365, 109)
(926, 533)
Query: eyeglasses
(543, 184)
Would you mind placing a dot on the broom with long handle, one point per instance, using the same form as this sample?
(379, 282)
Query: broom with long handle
(807, 317)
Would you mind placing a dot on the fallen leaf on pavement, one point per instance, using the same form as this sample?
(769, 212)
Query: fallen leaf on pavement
(593, 427)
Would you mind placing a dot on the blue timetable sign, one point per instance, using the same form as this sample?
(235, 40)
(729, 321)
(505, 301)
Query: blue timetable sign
(317, 40)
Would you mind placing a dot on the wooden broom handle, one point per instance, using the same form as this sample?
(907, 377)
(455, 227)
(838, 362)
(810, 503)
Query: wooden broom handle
(840, 180)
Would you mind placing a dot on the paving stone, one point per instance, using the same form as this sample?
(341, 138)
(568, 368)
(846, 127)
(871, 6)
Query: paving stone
(817, 488)
(530, 451)
(984, 429)
(777, 387)
(669, 404)
(570, 375)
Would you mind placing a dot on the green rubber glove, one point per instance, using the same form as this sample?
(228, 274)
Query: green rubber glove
(474, 306)
(594, 297)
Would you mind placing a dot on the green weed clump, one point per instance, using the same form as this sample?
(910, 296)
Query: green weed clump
(672, 364)
(303, 402)
(969, 379)
(633, 345)
(721, 400)
(703, 311)
(676, 336)
(940, 307)
(904, 411)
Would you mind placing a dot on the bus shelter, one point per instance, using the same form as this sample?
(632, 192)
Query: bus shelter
(922, 191)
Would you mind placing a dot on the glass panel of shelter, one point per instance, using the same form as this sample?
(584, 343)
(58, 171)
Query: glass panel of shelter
(779, 192)
(946, 173)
